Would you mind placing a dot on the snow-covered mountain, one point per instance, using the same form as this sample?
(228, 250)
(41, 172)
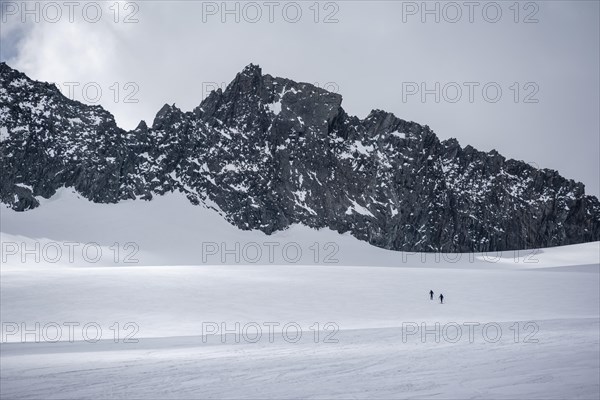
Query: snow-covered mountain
(269, 152)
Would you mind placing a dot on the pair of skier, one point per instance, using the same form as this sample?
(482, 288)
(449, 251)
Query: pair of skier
(441, 297)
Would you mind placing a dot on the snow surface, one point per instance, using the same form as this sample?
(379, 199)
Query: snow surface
(399, 134)
(365, 300)
(357, 208)
(4, 136)
(275, 107)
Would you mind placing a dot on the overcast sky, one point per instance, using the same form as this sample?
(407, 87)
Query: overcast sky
(543, 56)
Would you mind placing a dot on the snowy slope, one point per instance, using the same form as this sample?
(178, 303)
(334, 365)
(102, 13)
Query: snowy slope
(367, 306)
(170, 231)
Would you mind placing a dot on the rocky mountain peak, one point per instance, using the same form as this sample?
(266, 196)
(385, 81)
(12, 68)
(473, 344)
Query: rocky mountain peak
(252, 70)
(268, 152)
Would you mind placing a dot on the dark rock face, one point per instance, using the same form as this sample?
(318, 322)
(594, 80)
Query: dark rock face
(269, 152)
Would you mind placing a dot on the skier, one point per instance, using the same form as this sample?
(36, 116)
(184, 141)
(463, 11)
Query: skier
(431, 295)
(441, 298)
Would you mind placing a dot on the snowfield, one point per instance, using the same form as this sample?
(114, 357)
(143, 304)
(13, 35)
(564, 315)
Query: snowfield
(163, 299)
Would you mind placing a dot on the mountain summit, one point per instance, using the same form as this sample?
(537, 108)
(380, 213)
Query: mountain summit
(269, 152)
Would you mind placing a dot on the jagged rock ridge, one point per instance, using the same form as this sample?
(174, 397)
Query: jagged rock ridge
(268, 152)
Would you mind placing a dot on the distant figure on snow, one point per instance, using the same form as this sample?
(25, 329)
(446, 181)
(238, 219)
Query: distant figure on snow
(431, 295)
(441, 298)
